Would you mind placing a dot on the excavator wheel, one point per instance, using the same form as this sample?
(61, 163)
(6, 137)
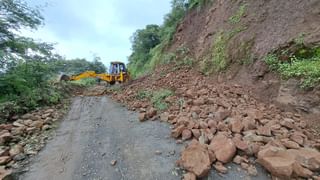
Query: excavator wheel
(112, 82)
(64, 78)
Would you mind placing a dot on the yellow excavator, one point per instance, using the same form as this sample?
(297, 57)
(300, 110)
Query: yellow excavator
(117, 73)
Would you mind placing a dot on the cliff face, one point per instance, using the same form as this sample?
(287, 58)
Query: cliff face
(241, 33)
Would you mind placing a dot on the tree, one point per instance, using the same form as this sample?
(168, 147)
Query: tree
(143, 40)
(14, 15)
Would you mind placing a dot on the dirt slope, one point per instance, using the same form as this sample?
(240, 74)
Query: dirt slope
(255, 28)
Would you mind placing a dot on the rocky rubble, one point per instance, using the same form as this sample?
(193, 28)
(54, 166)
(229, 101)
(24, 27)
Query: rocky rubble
(225, 122)
(25, 137)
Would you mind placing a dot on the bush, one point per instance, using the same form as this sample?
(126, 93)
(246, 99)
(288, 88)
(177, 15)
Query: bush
(306, 68)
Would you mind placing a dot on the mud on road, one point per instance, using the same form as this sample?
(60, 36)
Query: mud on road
(97, 131)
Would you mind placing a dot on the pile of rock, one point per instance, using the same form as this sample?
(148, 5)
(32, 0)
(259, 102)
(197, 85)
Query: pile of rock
(225, 123)
(24, 137)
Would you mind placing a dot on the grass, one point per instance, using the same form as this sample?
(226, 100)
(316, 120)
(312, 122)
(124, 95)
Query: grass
(156, 97)
(307, 69)
(236, 18)
(217, 61)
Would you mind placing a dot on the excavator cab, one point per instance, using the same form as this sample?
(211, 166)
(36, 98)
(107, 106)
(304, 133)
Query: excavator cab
(117, 68)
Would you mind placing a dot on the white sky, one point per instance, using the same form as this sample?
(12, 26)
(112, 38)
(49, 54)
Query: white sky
(82, 28)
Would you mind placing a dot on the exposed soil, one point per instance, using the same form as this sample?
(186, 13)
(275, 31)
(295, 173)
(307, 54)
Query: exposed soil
(262, 27)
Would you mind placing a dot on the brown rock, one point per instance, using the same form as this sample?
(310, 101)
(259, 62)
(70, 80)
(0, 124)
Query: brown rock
(4, 160)
(288, 123)
(142, 117)
(196, 133)
(15, 150)
(242, 145)
(264, 130)
(212, 124)
(203, 125)
(212, 156)
(113, 162)
(290, 144)
(164, 117)
(195, 158)
(175, 133)
(249, 124)
(189, 176)
(252, 170)
(44, 116)
(237, 126)
(26, 116)
(200, 101)
(277, 161)
(220, 168)
(37, 124)
(244, 165)
(221, 115)
(297, 138)
(223, 148)
(186, 134)
(5, 137)
(308, 158)
(5, 173)
(196, 109)
(301, 171)
(151, 112)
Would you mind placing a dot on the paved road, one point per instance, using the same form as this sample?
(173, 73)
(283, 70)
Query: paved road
(97, 131)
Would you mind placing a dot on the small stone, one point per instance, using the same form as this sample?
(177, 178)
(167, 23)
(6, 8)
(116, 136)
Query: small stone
(186, 134)
(46, 127)
(189, 176)
(158, 152)
(220, 168)
(4, 160)
(113, 162)
(252, 170)
(142, 117)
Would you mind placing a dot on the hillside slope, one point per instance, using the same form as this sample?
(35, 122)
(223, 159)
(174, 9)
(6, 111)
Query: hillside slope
(242, 33)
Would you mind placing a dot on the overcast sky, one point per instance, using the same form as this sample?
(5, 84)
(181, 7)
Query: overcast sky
(82, 28)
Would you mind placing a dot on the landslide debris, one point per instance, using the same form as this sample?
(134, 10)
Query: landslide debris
(226, 123)
(25, 137)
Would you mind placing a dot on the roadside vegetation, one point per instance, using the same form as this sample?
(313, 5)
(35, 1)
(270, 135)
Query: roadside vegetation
(29, 68)
(149, 44)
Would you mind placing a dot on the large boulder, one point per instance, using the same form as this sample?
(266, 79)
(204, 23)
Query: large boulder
(286, 164)
(195, 158)
(308, 158)
(277, 161)
(223, 147)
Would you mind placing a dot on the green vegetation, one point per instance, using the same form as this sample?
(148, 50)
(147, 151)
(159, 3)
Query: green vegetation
(217, 59)
(304, 65)
(236, 18)
(28, 68)
(149, 44)
(157, 97)
(198, 3)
